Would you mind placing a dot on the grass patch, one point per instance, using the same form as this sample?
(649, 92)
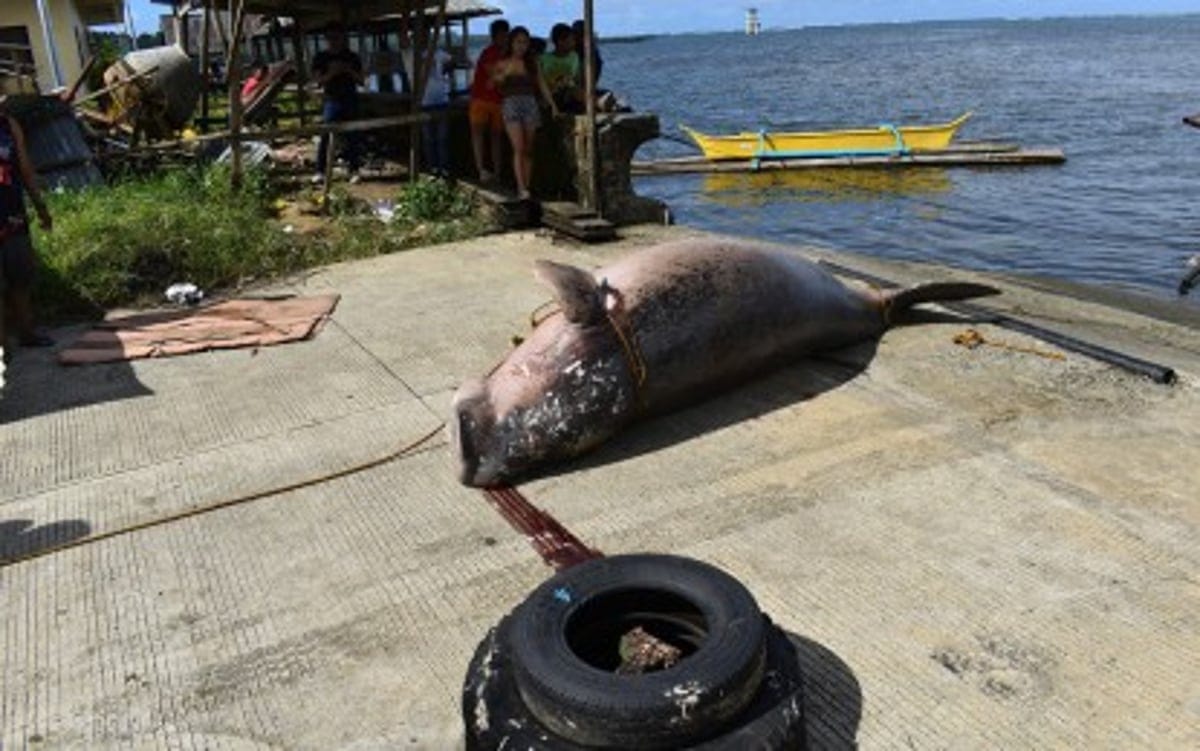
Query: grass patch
(123, 244)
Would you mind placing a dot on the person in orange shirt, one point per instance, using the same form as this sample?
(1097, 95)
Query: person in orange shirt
(484, 110)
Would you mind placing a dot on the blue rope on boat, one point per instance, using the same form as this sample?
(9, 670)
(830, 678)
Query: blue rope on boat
(761, 151)
(901, 147)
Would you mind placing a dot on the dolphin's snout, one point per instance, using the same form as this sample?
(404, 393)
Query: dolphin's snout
(470, 417)
(464, 456)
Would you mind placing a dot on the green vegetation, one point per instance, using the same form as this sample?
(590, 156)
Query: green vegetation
(124, 243)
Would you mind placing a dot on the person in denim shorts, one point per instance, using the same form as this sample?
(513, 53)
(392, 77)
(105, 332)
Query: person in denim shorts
(519, 83)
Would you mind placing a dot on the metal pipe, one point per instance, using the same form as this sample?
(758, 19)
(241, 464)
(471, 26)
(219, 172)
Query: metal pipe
(48, 38)
(1153, 371)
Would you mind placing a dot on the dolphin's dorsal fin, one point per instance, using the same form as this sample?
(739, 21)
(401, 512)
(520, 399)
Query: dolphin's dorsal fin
(576, 291)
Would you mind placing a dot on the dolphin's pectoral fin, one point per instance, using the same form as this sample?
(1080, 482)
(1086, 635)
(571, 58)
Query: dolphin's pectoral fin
(897, 302)
(576, 290)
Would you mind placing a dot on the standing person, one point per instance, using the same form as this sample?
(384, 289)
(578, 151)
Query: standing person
(484, 108)
(435, 100)
(340, 73)
(577, 29)
(560, 68)
(254, 82)
(18, 262)
(518, 81)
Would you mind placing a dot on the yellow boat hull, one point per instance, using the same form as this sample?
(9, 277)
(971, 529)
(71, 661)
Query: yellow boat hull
(880, 140)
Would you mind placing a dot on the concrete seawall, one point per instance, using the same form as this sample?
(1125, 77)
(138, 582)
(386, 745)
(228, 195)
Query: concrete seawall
(975, 548)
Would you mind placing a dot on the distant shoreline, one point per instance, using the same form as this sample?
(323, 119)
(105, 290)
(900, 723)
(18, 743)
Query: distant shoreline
(630, 38)
(482, 40)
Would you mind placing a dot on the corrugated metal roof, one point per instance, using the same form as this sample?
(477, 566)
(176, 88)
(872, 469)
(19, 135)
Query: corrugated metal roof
(455, 10)
(57, 148)
(471, 9)
(310, 11)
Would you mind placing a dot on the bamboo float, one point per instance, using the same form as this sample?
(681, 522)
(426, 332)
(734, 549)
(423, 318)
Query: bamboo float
(964, 155)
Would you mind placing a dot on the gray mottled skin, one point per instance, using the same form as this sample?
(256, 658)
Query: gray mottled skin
(705, 315)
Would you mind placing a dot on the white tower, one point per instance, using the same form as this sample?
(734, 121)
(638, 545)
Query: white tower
(753, 25)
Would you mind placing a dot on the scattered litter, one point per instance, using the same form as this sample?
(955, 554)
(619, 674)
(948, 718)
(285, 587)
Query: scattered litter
(185, 293)
(385, 209)
(972, 339)
(254, 153)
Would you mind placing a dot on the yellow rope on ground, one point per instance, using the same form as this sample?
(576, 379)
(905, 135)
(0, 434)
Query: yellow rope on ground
(93, 538)
(971, 339)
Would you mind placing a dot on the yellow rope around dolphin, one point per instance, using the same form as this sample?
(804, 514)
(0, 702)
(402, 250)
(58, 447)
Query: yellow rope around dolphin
(633, 357)
(622, 328)
(972, 339)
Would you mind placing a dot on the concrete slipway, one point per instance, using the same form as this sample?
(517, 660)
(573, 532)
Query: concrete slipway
(974, 548)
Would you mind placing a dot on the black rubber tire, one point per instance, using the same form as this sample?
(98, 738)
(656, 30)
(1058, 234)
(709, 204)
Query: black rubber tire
(594, 706)
(496, 718)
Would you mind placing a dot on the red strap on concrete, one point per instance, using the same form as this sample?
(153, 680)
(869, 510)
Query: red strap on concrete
(557, 546)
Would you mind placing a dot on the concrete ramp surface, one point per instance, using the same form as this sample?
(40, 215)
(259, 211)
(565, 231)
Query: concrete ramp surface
(975, 548)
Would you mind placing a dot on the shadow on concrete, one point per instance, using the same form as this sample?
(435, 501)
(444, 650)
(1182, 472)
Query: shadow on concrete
(832, 697)
(782, 388)
(36, 384)
(19, 538)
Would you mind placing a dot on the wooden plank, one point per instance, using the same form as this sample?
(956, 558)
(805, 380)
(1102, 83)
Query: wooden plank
(567, 209)
(577, 221)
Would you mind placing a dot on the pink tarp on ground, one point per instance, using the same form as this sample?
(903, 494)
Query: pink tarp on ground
(225, 325)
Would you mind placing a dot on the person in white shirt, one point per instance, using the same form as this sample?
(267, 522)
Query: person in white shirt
(435, 100)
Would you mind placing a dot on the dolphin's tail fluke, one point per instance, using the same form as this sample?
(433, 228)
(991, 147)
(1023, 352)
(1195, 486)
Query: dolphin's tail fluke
(897, 302)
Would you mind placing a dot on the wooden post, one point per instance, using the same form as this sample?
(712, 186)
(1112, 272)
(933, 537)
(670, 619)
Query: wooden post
(422, 57)
(414, 83)
(183, 27)
(235, 98)
(71, 93)
(431, 49)
(330, 154)
(205, 65)
(589, 94)
(301, 69)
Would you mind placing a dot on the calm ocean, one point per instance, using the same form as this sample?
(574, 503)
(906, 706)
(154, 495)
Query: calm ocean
(1111, 92)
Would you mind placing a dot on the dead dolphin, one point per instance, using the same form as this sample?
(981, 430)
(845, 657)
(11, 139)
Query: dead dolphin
(658, 329)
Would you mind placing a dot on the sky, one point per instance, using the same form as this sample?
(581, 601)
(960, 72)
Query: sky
(618, 17)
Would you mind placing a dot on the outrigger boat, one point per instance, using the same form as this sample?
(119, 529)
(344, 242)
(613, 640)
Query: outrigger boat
(884, 140)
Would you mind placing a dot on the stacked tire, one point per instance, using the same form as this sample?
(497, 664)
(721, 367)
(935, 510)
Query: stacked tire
(546, 677)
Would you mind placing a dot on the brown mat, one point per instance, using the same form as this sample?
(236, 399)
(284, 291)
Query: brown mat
(225, 325)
